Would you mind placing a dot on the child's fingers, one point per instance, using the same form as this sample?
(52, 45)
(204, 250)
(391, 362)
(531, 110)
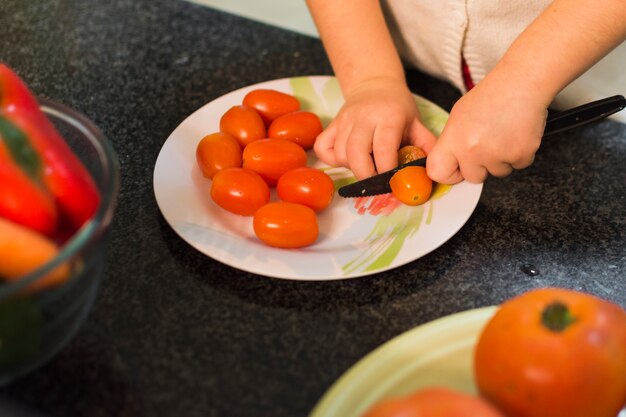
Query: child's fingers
(443, 167)
(359, 152)
(421, 137)
(385, 146)
(324, 145)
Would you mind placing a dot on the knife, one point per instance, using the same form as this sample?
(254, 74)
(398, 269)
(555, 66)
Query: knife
(555, 123)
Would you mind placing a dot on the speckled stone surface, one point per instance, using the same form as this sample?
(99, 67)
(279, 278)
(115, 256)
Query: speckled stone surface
(174, 333)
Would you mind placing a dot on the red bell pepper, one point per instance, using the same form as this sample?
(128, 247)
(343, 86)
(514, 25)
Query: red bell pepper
(21, 199)
(64, 175)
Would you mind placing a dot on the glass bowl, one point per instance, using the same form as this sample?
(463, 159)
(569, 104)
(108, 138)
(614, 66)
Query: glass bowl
(34, 326)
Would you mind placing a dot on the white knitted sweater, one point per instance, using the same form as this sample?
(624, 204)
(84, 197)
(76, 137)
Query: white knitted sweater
(433, 35)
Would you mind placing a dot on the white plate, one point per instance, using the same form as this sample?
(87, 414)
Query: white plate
(439, 353)
(351, 243)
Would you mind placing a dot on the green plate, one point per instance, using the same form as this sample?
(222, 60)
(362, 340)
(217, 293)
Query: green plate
(436, 353)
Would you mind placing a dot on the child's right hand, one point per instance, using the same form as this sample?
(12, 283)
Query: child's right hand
(379, 115)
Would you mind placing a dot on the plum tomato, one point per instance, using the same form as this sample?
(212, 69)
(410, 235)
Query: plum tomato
(239, 190)
(286, 225)
(271, 158)
(216, 152)
(433, 401)
(411, 185)
(271, 104)
(244, 123)
(301, 127)
(309, 186)
(554, 352)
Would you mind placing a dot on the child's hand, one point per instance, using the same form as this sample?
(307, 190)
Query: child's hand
(378, 116)
(490, 131)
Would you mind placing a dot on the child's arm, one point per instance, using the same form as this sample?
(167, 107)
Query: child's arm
(497, 126)
(379, 112)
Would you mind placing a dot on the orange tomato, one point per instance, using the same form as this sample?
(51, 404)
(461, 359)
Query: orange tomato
(434, 402)
(244, 123)
(554, 352)
(271, 158)
(411, 185)
(271, 104)
(410, 153)
(286, 225)
(239, 190)
(309, 186)
(301, 127)
(216, 152)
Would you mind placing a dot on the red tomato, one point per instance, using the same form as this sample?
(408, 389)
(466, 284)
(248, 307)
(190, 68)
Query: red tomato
(554, 352)
(271, 104)
(286, 225)
(271, 158)
(301, 127)
(309, 186)
(216, 152)
(244, 123)
(239, 190)
(411, 185)
(434, 402)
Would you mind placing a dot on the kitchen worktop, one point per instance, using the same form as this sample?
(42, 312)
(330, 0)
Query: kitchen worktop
(175, 333)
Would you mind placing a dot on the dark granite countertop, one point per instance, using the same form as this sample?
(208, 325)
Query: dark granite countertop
(175, 333)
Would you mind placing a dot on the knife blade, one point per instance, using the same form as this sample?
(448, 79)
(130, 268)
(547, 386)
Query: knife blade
(555, 123)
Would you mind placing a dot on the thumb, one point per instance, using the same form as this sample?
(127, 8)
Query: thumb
(442, 166)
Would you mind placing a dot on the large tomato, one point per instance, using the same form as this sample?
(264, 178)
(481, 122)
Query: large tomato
(271, 158)
(301, 127)
(434, 402)
(309, 186)
(411, 185)
(216, 152)
(239, 190)
(286, 225)
(271, 104)
(244, 123)
(554, 353)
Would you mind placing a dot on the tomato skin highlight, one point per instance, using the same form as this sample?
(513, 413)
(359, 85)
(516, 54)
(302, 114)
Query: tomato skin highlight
(271, 158)
(554, 352)
(434, 401)
(286, 225)
(244, 123)
(301, 127)
(309, 186)
(218, 151)
(271, 104)
(240, 191)
(411, 185)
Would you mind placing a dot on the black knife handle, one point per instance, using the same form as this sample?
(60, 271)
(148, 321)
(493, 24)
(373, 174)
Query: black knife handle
(581, 115)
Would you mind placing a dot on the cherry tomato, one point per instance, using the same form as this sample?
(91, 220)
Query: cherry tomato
(239, 190)
(301, 127)
(271, 104)
(434, 402)
(216, 152)
(286, 225)
(554, 352)
(410, 153)
(244, 123)
(309, 186)
(411, 185)
(271, 158)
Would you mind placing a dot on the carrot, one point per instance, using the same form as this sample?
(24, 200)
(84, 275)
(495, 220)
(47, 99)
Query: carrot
(23, 250)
